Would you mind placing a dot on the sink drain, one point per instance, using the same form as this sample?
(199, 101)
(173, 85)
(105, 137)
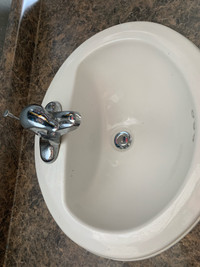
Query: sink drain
(122, 140)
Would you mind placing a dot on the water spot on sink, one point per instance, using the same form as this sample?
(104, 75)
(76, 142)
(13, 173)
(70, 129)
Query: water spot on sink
(115, 163)
(72, 174)
(108, 107)
(192, 113)
(193, 138)
(114, 98)
(194, 125)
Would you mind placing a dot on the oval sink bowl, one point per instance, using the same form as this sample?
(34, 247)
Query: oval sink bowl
(126, 183)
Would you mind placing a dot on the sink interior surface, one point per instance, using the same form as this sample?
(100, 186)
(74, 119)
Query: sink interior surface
(141, 78)
(128, 85)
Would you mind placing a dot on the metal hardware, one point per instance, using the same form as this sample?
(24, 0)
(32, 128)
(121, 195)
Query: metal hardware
(8, 114)
(122, 140)
(50, 123)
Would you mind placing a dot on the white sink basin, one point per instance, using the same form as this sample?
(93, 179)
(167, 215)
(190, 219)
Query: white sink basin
(130, 204)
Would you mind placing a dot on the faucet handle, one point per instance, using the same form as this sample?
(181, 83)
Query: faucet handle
(7, 113)
(49, 123)
(37, 119)
(53, 107)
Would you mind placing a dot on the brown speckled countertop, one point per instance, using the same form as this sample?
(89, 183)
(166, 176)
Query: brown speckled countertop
(37, 43)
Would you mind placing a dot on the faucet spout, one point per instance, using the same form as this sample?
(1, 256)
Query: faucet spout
(67, 120)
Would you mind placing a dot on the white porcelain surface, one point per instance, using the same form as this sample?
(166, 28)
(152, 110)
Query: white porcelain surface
(142, 78)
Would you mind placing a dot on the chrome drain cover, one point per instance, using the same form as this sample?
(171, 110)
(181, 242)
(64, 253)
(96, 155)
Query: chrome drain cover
(122, 140)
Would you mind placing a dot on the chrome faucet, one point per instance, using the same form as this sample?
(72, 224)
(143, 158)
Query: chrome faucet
(50, 123)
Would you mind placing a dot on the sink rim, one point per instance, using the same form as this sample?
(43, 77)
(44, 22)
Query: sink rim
(112, 245)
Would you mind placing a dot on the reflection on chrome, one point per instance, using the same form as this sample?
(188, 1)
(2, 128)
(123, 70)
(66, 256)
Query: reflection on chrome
(49, 123)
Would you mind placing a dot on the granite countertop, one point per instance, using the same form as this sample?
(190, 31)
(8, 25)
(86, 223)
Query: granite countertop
(39, 39)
